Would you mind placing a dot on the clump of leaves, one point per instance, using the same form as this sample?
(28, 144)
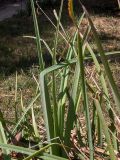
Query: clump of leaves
(68, 99)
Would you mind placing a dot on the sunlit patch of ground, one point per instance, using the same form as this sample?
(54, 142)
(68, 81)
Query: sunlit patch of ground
(19, 53)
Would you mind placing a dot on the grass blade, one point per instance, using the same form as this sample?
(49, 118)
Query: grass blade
(34, 124)
(39, 49)
(3, 139)
(47, 110)
(84, 93)
(25, 112)
(105, 129)
(105, 62)
(30, 152)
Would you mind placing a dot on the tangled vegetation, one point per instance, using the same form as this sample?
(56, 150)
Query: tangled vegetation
(80, 107)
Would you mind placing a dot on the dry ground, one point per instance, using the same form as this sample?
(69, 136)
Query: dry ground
(19, 54)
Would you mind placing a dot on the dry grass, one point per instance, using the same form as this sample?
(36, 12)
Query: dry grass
(22, 56)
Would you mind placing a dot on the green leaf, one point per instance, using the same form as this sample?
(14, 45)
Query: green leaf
(39, 49)
(85, 96)
(25, 112)
(105, 62)
(105, 129)
(3, 138)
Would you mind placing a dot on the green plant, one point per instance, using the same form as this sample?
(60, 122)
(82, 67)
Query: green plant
(69, 96)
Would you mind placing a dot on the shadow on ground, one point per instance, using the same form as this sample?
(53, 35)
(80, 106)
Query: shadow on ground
(17, 52)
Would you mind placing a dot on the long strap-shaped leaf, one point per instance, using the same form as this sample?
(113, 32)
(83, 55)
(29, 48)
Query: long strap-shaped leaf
(4, 140)
(41, 65)
(31, 153)
(105, 63)
(47, 110)
(37, 153)
(25, 112)
(105, 129)
(85, 97)
(103, 82)
(73, 98)
(55, 106)
(64, 82)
